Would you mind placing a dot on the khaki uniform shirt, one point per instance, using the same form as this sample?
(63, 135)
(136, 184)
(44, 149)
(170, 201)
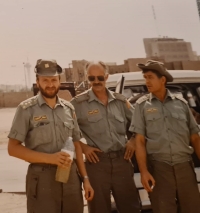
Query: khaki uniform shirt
(103, 126)
(42, 128)
(166, 126)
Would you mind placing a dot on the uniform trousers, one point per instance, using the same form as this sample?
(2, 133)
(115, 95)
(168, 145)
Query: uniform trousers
(176, 188)
(44, 194)
(112, 173)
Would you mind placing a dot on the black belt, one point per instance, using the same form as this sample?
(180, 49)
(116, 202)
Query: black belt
(42, 165)
(111, 155)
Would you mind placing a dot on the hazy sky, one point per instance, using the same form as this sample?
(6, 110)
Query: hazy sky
(109, 30)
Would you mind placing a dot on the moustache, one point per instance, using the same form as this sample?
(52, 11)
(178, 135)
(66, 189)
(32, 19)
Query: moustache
(50, 88)
(99, 84)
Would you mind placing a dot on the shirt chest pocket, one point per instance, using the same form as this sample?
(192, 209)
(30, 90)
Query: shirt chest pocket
(178, 121)
(39, 135)
(67, 129)
(95, 124)
(119, 124)
(154, 122)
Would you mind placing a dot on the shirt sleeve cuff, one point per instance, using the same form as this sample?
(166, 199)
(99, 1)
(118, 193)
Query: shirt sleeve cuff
(136, 130)
(17, 136)
(77, 137)
(195, 130)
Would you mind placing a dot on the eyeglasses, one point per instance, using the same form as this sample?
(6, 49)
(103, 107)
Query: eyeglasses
(100, 78)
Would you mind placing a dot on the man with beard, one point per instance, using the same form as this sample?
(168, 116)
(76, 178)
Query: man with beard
(165, 127)
(103, 117)
(44, 123)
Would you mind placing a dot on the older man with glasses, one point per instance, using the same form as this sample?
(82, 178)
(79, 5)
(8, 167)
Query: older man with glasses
(103, 117)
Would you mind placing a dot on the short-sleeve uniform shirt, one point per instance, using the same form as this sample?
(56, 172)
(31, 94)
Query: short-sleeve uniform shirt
(103, 126)
(167, 127)
(42, 128)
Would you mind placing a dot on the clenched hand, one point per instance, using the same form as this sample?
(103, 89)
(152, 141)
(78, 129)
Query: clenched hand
(61, 159)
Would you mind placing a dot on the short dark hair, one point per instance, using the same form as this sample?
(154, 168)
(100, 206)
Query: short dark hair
(156, 73)
(37, 77)
(153, 71)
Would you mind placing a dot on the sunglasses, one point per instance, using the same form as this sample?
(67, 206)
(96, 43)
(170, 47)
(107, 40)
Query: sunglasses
(100, 78)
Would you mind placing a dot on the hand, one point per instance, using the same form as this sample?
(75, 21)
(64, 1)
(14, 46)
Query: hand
(90, 153)
(61, 159)
(130, 149)
(147, 181)
(89, 192)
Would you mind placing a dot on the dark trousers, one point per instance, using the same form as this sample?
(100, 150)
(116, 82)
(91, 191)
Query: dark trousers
(44, 194)
(112, 173)
(175, 189)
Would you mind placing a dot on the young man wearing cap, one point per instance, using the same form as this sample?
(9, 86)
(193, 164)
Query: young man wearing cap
(43, 123)
(103, 117)
(165, 127)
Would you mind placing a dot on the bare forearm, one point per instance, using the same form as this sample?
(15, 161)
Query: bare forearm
(79, 159)
(16, 149)
(196, 144)
(141, 155)
(132, 141)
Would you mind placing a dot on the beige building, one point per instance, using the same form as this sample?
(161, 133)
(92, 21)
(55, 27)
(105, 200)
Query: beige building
(169, 49)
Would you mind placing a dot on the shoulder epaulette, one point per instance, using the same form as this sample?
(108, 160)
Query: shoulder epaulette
(29, 102)
(67, 103)
(82, 97)
(179, 97)
(120, 97)
(142, 99)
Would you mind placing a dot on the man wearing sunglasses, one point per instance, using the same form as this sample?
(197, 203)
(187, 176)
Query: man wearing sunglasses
(103, 117)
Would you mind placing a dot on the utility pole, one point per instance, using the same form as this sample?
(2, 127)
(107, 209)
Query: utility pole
(155, 20)
(198, 7)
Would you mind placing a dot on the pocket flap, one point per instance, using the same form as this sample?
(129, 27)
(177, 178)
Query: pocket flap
(174, 115)
(153, 116)
(178, 116)
(119, 118)
(94, 118)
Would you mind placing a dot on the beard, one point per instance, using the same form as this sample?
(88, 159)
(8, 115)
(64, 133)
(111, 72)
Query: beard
(49, 92)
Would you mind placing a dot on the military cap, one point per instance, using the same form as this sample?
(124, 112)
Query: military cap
(47, 68)
(157, 66)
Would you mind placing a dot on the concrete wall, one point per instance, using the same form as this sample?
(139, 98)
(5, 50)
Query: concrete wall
(191, 65)
(13, 99)
(118, 68)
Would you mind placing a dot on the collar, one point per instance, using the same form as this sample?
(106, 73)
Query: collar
(93, 97)
(41, 100)
(168, 94)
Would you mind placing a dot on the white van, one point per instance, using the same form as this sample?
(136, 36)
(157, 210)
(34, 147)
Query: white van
(132, 85)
